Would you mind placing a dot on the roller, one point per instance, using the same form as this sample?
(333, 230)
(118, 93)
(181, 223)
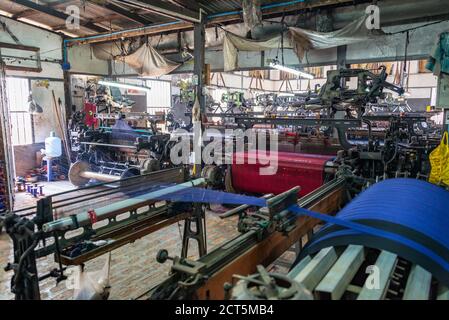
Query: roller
(80, 174)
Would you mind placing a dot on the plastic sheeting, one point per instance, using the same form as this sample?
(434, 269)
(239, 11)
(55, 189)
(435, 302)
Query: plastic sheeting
(93, 285)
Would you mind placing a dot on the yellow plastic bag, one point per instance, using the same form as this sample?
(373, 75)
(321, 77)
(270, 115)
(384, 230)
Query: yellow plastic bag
(439, 161)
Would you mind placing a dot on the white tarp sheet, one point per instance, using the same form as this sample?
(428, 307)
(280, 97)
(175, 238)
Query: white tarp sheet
(304, 40)
(146, 61)
(301, 40)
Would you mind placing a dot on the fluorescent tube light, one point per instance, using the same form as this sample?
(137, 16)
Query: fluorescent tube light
(291, 70)
(123, 85)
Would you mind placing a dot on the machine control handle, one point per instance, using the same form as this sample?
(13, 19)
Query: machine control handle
(162, 256)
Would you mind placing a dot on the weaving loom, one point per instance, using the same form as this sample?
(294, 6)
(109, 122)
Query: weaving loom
(410, 220)
(414, 231)
(401, 223)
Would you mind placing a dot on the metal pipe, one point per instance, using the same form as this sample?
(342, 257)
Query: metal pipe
(282, 196)
(109, 145)
(80, 174)
(83, 219)
(99, 176)
(241, 208)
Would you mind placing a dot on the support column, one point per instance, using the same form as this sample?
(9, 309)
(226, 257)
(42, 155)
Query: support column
(199, 37)
(195, 226)
(341, 57)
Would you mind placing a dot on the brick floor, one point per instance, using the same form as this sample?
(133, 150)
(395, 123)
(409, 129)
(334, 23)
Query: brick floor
(134, 269)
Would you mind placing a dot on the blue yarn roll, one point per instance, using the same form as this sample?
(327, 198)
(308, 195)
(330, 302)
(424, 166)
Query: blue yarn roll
(404, 216)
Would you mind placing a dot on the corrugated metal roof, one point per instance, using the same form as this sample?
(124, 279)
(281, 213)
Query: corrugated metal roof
(214, 6)
(104, 19)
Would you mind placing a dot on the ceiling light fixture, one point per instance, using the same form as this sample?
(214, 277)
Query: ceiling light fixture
(298, 73)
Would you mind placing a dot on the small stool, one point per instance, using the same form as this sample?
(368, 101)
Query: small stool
(41, 190)
(34, 191)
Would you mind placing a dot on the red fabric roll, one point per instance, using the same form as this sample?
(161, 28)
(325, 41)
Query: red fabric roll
(294, 169)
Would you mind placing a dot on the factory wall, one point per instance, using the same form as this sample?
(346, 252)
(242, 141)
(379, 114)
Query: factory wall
(83, 61)
(50, 45)
(41, 85)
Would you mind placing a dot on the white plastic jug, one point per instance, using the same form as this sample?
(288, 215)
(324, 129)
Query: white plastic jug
(53, 147)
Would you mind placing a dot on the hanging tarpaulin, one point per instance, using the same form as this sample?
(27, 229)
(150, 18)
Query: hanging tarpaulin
(114, 50)
(148, 62)
(252, 13)
(234, 43)
(301, 40)
(304, 40)
(145, 60)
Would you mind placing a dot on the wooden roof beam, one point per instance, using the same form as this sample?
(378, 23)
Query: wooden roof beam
(57, 14)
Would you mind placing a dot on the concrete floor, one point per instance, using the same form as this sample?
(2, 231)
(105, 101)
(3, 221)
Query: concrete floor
(133, 267)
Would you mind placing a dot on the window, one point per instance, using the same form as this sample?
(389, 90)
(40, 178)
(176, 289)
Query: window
(18, 90)
(159, 97)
